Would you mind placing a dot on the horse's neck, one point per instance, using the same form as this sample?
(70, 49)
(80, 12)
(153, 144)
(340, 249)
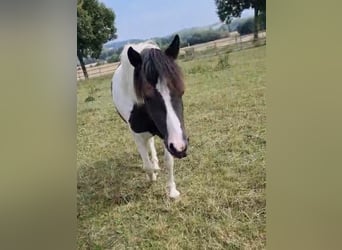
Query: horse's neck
(127, 83)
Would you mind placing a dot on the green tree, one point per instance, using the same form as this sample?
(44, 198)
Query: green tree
(114, 58)
(226, 9)
(95, 26)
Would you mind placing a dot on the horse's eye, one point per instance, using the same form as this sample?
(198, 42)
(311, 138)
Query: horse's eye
(148, 90)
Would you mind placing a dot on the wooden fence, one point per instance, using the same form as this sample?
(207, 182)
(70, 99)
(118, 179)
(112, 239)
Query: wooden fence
(95, 71)
(185, 53)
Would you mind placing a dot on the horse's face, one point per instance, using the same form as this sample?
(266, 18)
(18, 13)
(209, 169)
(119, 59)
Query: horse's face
(162, 93)
(165, 107)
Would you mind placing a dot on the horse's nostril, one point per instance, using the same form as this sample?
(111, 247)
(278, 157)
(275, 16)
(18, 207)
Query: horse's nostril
(173, 149)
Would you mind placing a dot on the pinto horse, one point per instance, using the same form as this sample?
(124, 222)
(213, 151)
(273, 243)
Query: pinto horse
(147, 90)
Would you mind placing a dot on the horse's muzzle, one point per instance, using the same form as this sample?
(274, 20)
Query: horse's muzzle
(175, 153)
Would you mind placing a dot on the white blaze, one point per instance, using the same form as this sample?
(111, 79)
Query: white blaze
(173, 124)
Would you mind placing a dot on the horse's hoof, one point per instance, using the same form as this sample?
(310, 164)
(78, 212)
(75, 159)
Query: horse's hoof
(174, 194)
(151, 177)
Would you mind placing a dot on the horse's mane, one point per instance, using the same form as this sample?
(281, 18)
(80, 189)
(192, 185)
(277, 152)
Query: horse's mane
(157, 64)
(138, 47)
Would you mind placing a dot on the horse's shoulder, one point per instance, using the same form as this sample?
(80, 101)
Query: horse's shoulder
(140, 121)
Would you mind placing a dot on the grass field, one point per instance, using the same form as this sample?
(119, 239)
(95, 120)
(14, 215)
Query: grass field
(222, 181)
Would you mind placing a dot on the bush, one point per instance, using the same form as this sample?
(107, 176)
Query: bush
(203, 36)
(199, 68)
(89, 99)
(114, 58)
(223, 62)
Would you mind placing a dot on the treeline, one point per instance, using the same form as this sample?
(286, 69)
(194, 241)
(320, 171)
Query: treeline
(193, 37)
(245, 26)
(196, 35)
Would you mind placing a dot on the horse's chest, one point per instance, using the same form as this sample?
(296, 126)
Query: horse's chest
(140, 121)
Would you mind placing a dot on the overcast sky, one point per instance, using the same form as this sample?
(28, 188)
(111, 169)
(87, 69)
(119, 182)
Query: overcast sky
(145, 19)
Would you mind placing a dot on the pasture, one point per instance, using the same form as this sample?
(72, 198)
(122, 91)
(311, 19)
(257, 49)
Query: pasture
(222, 180)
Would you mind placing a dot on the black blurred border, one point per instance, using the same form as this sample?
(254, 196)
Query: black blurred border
(304, 125)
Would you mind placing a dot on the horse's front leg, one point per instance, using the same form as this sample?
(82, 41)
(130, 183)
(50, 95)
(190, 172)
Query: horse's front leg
(141, 140)
(154, 156)
(171, 185)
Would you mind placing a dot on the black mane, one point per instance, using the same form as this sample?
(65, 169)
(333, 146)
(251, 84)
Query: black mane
(156, 64)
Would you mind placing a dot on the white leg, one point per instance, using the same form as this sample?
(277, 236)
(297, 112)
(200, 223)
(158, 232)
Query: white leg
(141, 140)
(154, 158)
(171, 185)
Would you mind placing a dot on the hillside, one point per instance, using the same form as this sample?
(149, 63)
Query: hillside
(189, 36)
(118, 44)
(183, 33)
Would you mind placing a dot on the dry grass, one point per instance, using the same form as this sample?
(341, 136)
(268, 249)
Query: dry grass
(222, 181)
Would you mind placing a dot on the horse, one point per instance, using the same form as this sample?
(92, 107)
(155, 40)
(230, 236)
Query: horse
(147, 90)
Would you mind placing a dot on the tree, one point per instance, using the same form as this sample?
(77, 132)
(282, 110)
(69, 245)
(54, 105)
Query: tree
(246, 26)
(114, 58)
(95, 26)
(203, 36)
(226, 9)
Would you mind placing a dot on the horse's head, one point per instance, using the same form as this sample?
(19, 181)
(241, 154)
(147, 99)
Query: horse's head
(159, 84)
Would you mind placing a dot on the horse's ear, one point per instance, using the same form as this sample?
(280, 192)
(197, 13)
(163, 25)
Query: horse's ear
(134, 57)
(173, 49)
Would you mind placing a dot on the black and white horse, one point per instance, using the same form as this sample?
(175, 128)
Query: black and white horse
(147, 90)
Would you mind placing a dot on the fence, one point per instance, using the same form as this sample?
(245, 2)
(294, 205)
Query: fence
(221, 46)
(188, 53)
(232, 42)
(95, 71)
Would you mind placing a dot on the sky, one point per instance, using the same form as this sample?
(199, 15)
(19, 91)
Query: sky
(143, 19)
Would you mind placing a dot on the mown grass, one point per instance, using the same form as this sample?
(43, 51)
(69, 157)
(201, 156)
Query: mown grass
(222, 181)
